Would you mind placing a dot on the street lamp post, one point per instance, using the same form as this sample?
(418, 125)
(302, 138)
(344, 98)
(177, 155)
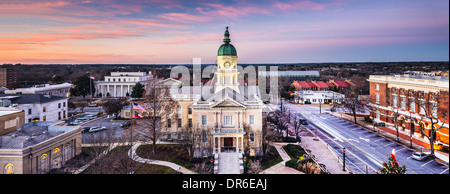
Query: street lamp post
(343, 157)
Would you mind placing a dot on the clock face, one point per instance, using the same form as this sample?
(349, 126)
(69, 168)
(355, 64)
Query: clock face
(227, 64)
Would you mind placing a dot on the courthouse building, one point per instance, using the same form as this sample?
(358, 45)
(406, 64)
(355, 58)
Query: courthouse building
(415, 98)
(225, 115)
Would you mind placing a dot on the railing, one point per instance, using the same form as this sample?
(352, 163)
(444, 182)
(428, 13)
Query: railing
(227, 130)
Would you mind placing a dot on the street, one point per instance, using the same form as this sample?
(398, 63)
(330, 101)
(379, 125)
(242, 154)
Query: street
(365, 150)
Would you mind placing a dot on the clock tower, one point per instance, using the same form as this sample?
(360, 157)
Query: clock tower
(227, 73)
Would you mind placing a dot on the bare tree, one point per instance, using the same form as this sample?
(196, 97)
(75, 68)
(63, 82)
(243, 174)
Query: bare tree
(392, 104)
(115, 105)
(157, 98)
(351, 102)
(435, 109)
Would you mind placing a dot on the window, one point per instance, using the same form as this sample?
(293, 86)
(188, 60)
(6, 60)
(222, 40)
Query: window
(422, 104)
(169, 123)
(252, 136)
(204, 120)
(29, 111)
(59, 115)
(252, 119)
(228, 120)
(9, 169)
(377, 86)
(44, 118)
(179, 123)
(394, 100)
(403, 102)
(43, 163)
(57, 158)
(44, 109)
(189, 110)
(205, 138)
(59, 105)
(433, 109)
(179, 109)
(190, 122)
(64, 114)
(413, 105)
(64, 104)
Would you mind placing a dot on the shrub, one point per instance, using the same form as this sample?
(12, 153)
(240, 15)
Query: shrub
(292, 163)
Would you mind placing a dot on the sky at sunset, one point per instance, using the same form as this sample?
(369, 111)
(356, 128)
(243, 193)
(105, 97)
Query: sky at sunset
(265, 31)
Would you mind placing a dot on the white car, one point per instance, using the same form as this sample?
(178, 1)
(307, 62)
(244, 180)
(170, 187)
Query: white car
(94, 129)
(420, 156)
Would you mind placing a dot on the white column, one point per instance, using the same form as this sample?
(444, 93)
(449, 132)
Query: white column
(129, 92)
(121, 91)
(242, 142)
(214, 144)
(115, 91)
(237, 144)
(218, 141)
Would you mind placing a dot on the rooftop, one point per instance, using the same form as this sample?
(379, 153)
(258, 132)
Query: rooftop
(288, 73)
(39, 88)
(32, 134)
(30, 98)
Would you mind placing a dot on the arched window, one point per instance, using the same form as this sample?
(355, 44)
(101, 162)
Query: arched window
(67, 151)
(9, 169)
(43, 163)
(57, 158)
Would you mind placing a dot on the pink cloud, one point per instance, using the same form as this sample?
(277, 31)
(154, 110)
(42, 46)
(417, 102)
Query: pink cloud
(185, 18)
(230, 11)
(302, 5)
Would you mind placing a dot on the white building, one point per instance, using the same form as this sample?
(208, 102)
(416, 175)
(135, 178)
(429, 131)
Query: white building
(47, 89)
(118, 84)
(316, 97)
(37, 107)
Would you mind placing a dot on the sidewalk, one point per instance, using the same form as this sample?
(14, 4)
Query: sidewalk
(391, 134)
(280, 168)
(132, 154)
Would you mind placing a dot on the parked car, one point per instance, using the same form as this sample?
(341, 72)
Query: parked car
(94, 129)
(125, 124)
(420, 156)
(86, 129)
(93, 105)
(303, 122)
(75, 122)
(90, 117)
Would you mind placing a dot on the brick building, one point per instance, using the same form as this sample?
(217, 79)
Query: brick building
(9, 77)
(412, 99)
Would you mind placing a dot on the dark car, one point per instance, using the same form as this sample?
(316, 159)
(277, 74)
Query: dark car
(303, 122)
(125, 124)
(85, 129)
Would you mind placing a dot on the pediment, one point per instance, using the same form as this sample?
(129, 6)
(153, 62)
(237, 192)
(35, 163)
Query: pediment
(228, 103)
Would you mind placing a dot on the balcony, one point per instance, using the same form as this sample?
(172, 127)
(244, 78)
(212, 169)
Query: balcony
(227, 130)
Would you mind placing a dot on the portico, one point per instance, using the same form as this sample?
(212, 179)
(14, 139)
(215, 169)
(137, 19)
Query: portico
(118, 84)
(228, 142)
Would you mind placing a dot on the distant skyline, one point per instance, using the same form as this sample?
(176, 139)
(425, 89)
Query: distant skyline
(265, 31)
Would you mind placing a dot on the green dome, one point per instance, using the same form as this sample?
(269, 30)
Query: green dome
(226, 48)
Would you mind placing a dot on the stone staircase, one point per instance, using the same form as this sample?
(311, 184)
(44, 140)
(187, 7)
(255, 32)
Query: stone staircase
(228, 163)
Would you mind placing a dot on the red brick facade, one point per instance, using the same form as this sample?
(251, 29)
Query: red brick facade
(387, 101)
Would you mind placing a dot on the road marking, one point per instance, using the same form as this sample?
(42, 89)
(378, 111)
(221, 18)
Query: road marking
(427, 163)
(378, 140)
(409, 157)
(400, 149)
(389, 144)
(443, 171)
